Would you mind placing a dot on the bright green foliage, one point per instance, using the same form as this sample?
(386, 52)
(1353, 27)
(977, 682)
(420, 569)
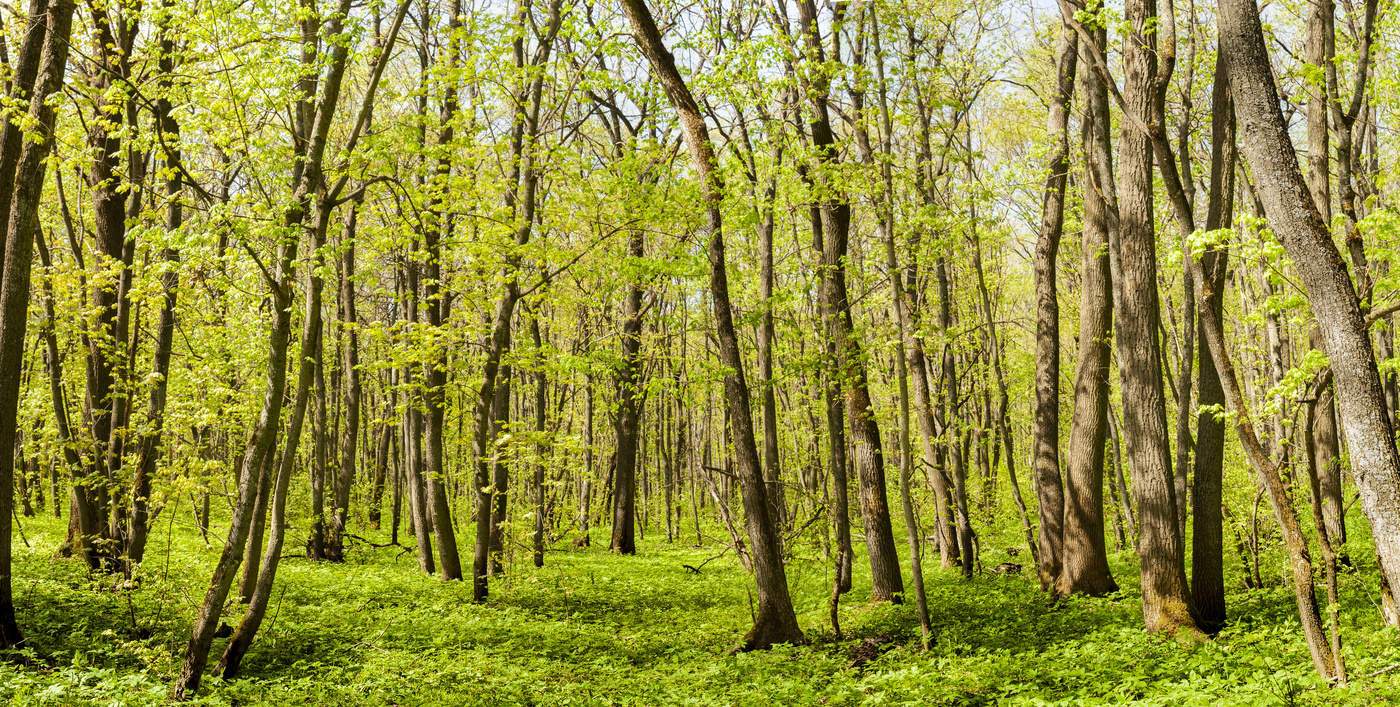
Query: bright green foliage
(596, 628)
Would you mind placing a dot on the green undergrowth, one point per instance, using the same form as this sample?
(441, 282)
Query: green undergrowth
(595, 628)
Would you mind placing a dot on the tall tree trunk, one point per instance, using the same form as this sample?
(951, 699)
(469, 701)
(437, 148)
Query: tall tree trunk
(36, 74)
(887, 583)
(439, 227)
(1304, 235)
(139, 524)
(1269, 480)
(541, 449)
(1049, 490)
(1084, 563)
(350, 337)
(774, 620)
(885, 227)
(1207, 535)
(308, 372)
(952, 441)
(629, 403)
(1165, 596)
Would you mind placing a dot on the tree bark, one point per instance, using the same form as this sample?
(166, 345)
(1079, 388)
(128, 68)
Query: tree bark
(1046, 437)
(1295, 219)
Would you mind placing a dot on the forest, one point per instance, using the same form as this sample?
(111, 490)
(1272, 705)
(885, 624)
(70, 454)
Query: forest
(722, 352)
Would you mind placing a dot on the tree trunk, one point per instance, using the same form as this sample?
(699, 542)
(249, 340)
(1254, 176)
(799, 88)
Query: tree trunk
(37, 73)
(1084, 564)
(887, 583)
(1046, 438)
(350, 434)
(1304, 235)
(1165, 596)
(1207, 536)
(774, 620)
(629, 424)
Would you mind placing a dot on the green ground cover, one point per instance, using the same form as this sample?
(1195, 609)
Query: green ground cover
(595, 628)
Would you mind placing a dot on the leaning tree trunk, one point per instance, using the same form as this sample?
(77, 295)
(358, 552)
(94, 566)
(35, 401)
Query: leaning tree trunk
(774, 620)
(1304, 235)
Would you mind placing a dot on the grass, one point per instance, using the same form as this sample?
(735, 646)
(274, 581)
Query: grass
(595, 628)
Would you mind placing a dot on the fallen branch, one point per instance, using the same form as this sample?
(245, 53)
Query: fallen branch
(696, 568)
(352, 536)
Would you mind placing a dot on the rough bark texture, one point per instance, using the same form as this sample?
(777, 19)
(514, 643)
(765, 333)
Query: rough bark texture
(1295, 219)
(1165, 597)
(1046, 438)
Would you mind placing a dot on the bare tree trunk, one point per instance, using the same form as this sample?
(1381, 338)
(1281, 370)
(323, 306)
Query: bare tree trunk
(1084, 564)
(1049, 490)
(774, 620)
(1296, 220)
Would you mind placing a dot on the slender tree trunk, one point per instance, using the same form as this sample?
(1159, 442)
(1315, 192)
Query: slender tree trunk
(1049, 490)
(541, 449)
(350, 433)
(951, 438)
(774, 620)
(1084, 564)
(139, 528)
(1270, 480)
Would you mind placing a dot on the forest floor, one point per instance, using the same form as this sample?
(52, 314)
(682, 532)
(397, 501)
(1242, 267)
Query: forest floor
(595, 628)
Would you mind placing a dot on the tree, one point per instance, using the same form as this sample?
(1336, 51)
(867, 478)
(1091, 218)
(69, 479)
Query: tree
(774, 621)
